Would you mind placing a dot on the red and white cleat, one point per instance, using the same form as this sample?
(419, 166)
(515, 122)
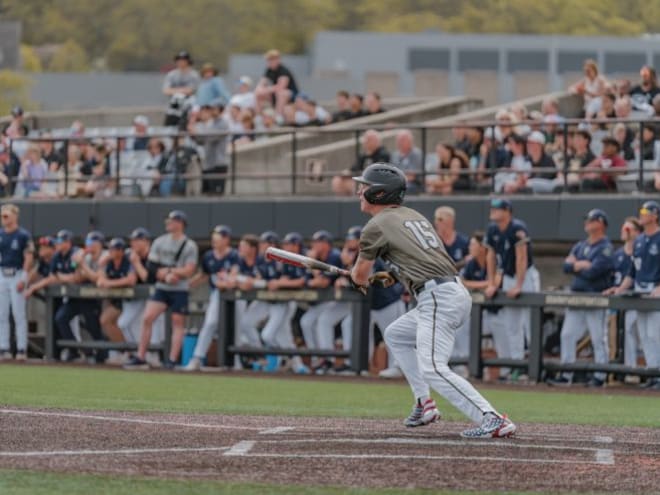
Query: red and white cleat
(492, 426)
(423, 414)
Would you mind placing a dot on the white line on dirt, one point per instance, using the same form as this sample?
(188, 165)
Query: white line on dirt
(54, 453)
(276, 430)
(426, 458)
(241, 448)
(603, 439)
(605, 456)
(425, 441)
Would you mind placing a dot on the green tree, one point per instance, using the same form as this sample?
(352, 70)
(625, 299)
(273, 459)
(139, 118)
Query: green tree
(69, 57)
(30, 61)
(14, 90)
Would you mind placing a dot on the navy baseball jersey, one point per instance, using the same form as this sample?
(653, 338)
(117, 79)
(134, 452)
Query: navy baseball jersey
(62, 262)
(459, 248)
(114, 272)
(13, 246)
(43, 268)
(622, 262)
(645, 268)
(381, 296)
(293, 272)
(599, 276)
(245, 269)
(212, 265)
(504, 244)
(334, 259)
(474, 271)
(268, 269)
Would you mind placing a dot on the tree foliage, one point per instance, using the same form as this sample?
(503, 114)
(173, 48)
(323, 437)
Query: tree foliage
(144, 34)
(14, 90)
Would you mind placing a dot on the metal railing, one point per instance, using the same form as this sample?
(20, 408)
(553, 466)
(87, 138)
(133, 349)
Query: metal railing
(294, 174)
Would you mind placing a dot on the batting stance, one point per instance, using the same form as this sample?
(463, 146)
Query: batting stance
(422, 339)
(590, 263)
(16, 256)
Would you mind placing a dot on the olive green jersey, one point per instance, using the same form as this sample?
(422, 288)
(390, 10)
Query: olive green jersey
(408, 244)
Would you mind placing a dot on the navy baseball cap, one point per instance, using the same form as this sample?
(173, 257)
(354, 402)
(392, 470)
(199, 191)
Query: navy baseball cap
(178, 215)
(322, 236)
(597, 215)
(354, 233)
(223, 230)
(293, 238)
(270, 237)
(46, 241)
(501, 204)
(117, 243)
(63, 235)
(140, 233)
(94, 236)
(650, 207)
(183, 55)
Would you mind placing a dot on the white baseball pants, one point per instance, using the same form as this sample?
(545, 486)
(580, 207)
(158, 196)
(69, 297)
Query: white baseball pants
(383, 317)
(11, 298)
(576, 322)
(648, 323)
(517, 320)
(630, 340)
(318, 324)
(249, 316)
(422, 340)
(130, 322)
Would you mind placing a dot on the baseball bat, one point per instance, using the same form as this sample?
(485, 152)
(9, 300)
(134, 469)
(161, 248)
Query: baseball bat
(303, 261)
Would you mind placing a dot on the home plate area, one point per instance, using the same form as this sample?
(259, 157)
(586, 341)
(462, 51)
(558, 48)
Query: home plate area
(325, 451)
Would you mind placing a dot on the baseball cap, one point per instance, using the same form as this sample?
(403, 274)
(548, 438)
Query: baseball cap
(63, 235)
(117, 243)
(501, 204)
(536, 137)
(94, 236)
(183, 55)
(177, 215)
(650, 207)
(46, 240)
(245, 80)
(142, 120)
(270, 237)
(322, 236)
(223, 230)
(293, 238)
(140, 233)
(17, 111)
(354, 233)
(596, 215)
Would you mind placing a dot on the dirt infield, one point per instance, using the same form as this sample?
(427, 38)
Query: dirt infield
(342, 452)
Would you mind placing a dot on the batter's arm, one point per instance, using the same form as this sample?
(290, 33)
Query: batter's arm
(362, 271)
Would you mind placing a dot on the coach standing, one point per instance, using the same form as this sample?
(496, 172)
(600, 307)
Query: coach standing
(510, 252)
(16, 256)
(644, 275)
(591, 264)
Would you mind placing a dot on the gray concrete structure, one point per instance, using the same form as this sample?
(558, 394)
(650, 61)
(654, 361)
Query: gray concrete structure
(10, 39)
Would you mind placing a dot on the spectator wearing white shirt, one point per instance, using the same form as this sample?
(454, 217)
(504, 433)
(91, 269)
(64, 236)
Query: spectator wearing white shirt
(140, 134)
(509, 179)
(244, 96)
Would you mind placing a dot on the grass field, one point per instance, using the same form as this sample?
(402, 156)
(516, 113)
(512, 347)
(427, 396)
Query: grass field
(115, 390)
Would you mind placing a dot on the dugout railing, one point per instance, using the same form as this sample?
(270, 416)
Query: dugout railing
(535, 363)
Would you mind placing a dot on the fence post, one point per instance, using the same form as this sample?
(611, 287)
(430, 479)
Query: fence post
(474, 359)
(424, 159)
(356, 136)
(117, 172)
(640, 178)
(66, 168)
(490, 167)
(50, 330)
(294, 159)
(535, 364)
(233, 166)
(565, 140)
(225, 331)
(167, 342)
(360, 334)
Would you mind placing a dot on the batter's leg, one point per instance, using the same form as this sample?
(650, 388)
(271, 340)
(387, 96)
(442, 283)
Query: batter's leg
(401, 340)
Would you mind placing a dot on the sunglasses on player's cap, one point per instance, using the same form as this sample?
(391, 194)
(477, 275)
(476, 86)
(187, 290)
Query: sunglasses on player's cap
(223, 230)
(501, 204)
(650, 208)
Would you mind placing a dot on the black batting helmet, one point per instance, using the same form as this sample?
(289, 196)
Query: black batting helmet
(387, 184)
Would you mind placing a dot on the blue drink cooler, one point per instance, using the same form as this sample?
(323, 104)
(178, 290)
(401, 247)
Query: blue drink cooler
(189, 343)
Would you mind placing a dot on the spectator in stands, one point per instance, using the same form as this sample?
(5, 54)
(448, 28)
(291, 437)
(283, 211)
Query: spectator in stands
(140, 134)
(343, 107)
(16, 126)
(77, 129)
(157, 166)
(642, 94)
(308, 113)
(592, 88)
(520, 113)
(601, 173)
(492, 156)
(100, 184)
(504, 127)
(460, 139)
(513, 175)
(545, 180)
(211, 88)
(456, 243)
(70, 183)
(580, 156)
(244, 96)
(9, 170)
(248, 126)
(32, 174)
(356, 101)
(266, 122)
(474, 140)
(277, 86)
(233, 118)
(49, 153)
(607, 108)
(625, 136)
(183, 79)
(373, 151)
(215, 160)
(408, 158)
(647, 143)
(373, 103)
(446, 169)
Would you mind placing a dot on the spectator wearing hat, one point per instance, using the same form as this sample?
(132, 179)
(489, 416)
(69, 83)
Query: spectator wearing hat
(139, 139)
(373, 151)
(16, 127)
(211, 89)
(513, 176)
(601, 173)
(244, 97)
(543, 177)
(117, 273)
(277, 85)
(174, 257)
(183, 79)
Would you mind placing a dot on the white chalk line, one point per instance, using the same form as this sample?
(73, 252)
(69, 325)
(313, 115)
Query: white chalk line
(277, 430)
(241, 448)
(55, 453)
(605, 456)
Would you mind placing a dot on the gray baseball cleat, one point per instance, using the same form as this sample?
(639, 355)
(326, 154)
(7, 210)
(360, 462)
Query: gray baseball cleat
(492, 426)
(422, 414)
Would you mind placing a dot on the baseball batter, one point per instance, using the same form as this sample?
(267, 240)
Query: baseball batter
(422, 339)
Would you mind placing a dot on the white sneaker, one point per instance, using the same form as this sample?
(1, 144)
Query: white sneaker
(195, 364)
(21, 356)
(6, 356)
(393, 372)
